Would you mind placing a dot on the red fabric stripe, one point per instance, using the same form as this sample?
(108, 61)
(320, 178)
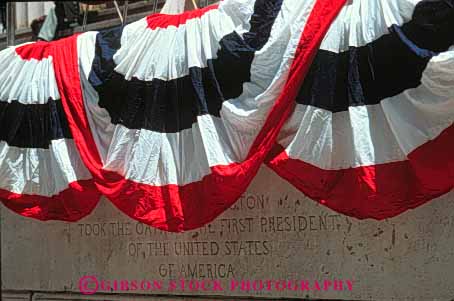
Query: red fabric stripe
(72, 204)
(41, 49)
(66, 66)
(37, 51)
(179, 208)
(378, 191)
(163, 21)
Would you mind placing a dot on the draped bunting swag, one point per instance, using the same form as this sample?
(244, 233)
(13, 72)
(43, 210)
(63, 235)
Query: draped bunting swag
(171, 117)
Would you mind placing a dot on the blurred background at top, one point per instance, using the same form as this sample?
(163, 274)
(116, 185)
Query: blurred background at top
(51, 20)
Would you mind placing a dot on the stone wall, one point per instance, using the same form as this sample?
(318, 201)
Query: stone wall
(273, 233)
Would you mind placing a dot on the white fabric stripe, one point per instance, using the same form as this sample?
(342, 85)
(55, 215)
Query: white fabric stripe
(86, 47)
(175, 49)
(27, 81)
(363, 21)
(358, 137)
(173, 7)
(169, 158)
(44, 172)
(375, 134)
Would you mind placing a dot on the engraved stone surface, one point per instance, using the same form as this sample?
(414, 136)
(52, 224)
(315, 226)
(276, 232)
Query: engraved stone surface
(9, 296)
(274, 242)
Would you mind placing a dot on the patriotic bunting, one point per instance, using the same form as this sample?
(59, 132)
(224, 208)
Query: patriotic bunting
(170, 117)
(372, 133)
(42, 174)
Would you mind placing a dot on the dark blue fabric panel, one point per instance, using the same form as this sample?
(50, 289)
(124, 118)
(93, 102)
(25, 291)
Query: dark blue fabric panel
(162, 106)
(425, 53)
(262, 21)
(33, 125)
(432, 25)
(361, 76)
(107, 43)
(173, 105)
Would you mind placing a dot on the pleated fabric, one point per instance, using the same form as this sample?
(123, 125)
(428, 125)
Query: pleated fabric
(372, 132)
(41, 173)
(184, 109)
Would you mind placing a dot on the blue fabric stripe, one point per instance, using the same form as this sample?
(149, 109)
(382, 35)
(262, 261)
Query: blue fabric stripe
(33, 125)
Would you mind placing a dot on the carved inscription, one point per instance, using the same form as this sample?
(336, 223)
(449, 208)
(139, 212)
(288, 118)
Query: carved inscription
(248, 228)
